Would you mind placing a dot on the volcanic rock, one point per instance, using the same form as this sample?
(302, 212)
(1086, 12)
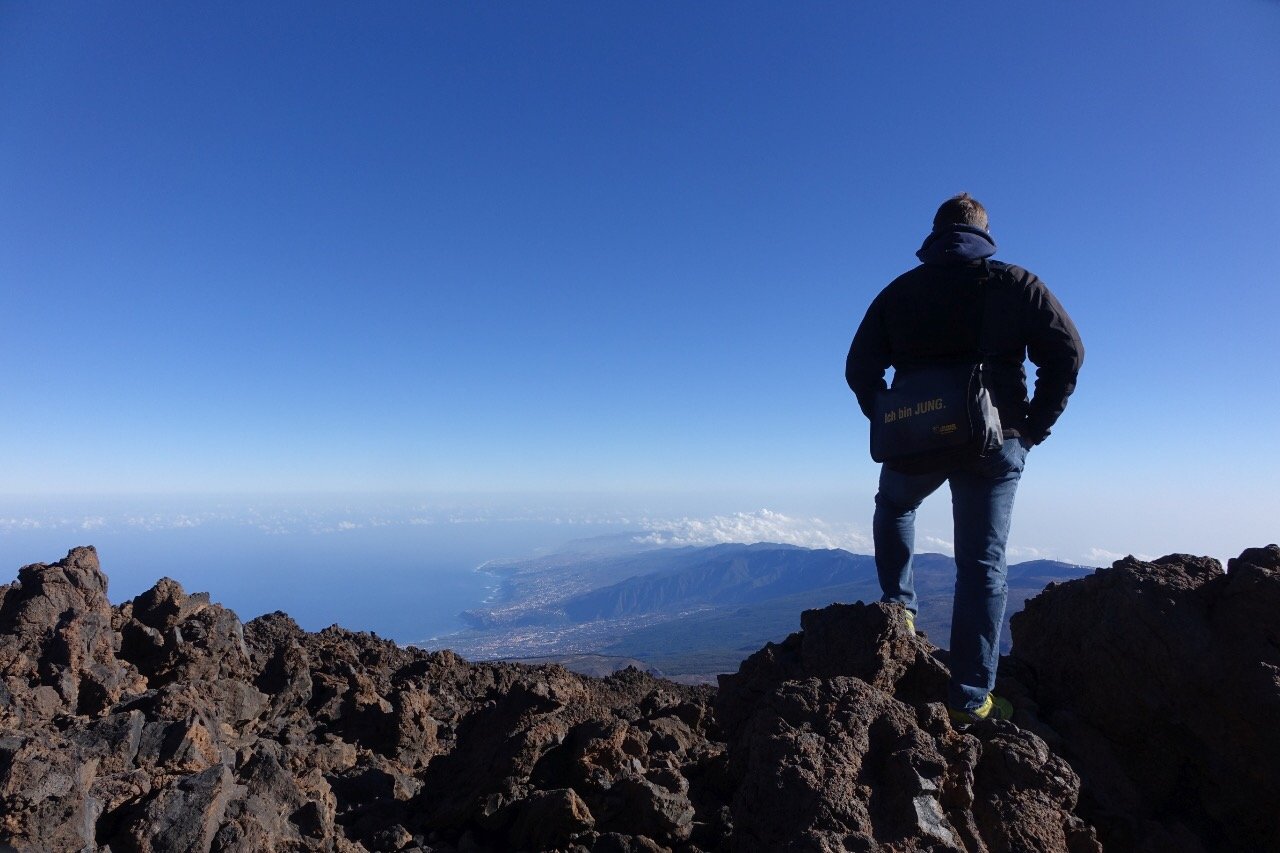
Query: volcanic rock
(837, 740)
(1146, 698)
(165, 724)
(1162, 680)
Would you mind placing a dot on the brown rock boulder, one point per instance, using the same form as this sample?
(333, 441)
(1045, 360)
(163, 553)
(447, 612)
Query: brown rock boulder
(838, 740)
(45, 801)
(1163, 680)
(56, 633)
(181, 817)
(551, 819)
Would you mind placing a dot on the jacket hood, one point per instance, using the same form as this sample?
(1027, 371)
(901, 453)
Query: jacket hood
(956, 244)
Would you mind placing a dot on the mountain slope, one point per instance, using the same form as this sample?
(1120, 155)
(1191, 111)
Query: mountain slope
(697, 611)
(727, 576)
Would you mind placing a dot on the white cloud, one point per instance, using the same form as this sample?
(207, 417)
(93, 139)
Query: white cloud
(274, 529)
(8, 525)
(934, 545)
(748, 527)
(1103, 557)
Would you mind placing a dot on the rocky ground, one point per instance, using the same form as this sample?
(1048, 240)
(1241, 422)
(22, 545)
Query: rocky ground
(1148, 718)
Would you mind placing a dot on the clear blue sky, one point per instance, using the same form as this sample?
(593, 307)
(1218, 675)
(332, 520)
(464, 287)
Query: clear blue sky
(621, 248)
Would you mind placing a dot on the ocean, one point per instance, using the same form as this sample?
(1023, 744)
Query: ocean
(406, 579)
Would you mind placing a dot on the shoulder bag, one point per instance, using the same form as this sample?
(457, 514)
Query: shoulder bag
(936, 416)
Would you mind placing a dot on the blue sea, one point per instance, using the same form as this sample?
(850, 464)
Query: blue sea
(403, 576)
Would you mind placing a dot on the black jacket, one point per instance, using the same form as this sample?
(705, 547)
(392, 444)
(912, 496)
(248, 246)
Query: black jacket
(936, 312)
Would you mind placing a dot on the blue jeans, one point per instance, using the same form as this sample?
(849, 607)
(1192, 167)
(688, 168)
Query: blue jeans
(982, 493)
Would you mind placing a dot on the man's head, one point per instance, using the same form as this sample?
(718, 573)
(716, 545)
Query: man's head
(962, 209)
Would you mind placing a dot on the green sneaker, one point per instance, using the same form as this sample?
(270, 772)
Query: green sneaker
(911, 620)
(992, 708)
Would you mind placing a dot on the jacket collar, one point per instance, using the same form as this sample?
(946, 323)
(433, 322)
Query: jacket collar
(956, 244)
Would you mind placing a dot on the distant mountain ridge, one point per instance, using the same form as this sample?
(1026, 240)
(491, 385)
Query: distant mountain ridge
(727, 575)
(699, 610)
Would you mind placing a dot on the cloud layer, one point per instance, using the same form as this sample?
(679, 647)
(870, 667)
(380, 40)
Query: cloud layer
(314, 516)
(763, 525)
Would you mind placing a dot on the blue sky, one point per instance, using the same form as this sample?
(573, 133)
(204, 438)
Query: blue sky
(619, 249)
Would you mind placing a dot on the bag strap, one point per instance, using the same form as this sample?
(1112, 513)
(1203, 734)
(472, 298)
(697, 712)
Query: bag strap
(982, 288)
(991, 270)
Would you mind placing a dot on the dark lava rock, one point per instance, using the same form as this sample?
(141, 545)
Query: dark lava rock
(838, 740)
(57, 645)
(165, 724)
(1163, 681)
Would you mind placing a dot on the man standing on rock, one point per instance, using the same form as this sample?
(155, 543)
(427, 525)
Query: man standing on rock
(958, 306)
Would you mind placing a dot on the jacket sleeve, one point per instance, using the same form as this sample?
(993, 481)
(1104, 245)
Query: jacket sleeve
(868, 358)
(1055, 348)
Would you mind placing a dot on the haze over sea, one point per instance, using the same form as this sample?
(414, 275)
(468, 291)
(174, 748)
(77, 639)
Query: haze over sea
(401, 567)
(402, 571)
(405, 566)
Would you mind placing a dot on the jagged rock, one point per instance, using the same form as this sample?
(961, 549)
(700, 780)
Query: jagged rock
(276, 809)
(182, 816)
(45, 801)
(166, 605)
(172, 636)
(870, 642)
(838, 741)
(56, 633)
(1163, 680)
(113, 740)
(165, 724)
(551, 819)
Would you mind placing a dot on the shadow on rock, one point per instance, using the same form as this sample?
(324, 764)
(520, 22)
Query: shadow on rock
(838, 740)
(1162, 680)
